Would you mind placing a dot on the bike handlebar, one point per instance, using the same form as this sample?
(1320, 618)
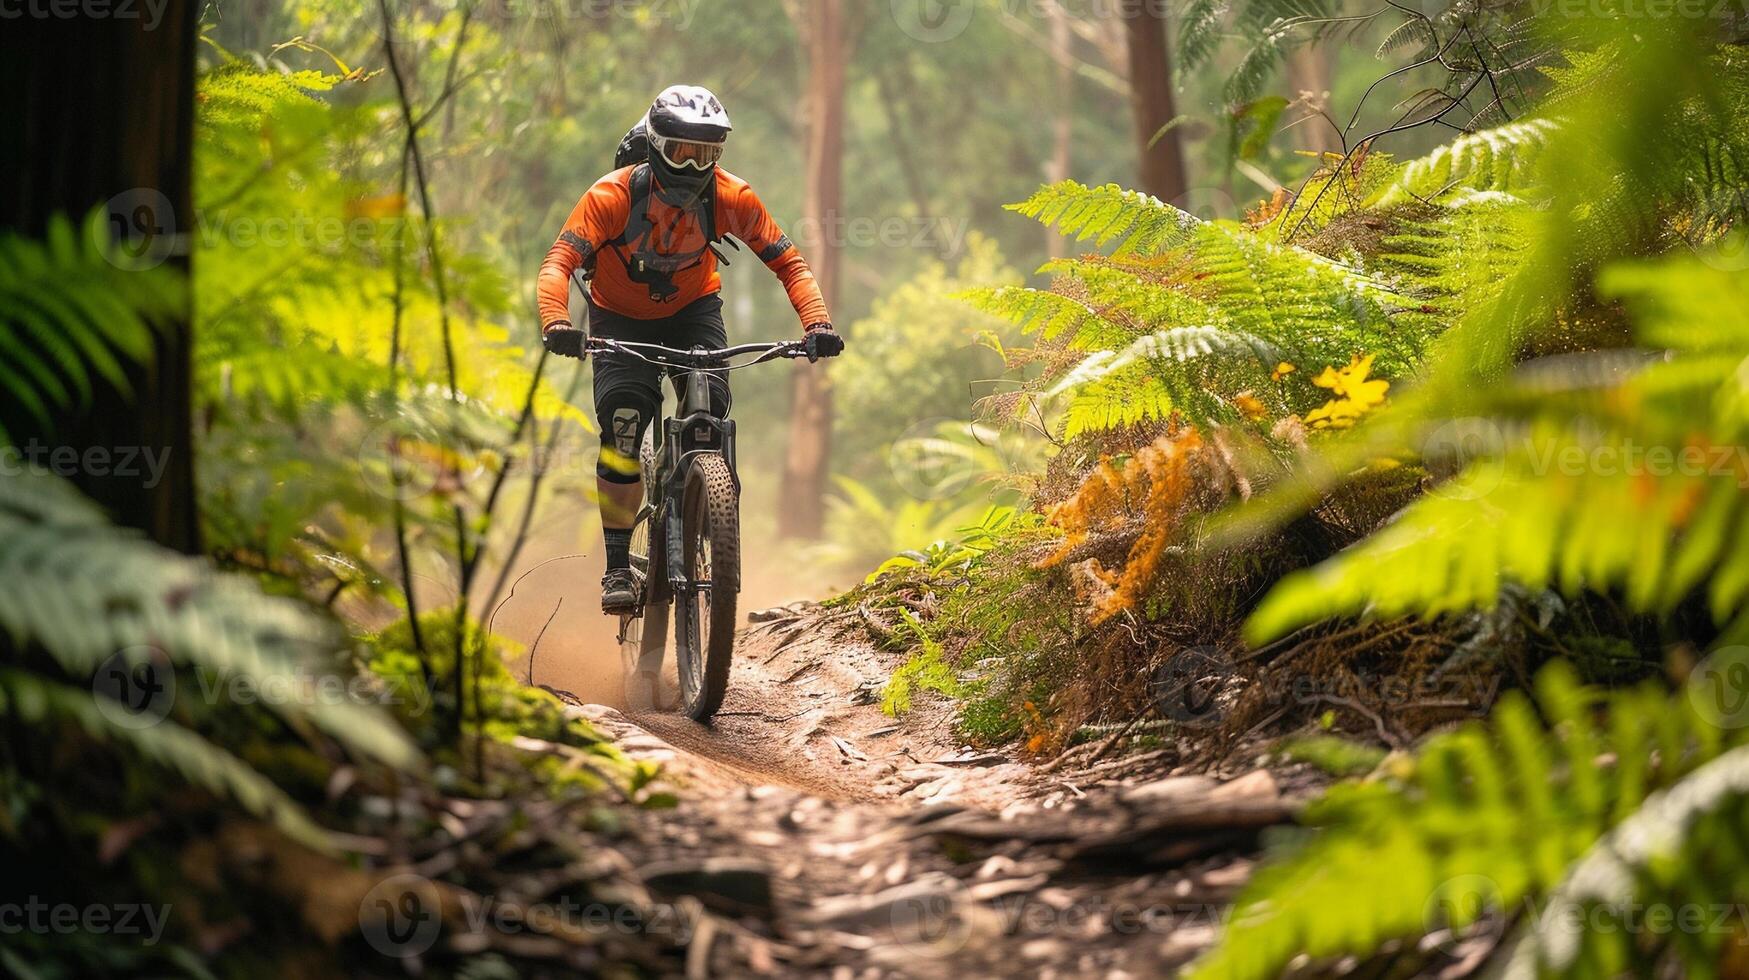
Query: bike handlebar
(672, 357)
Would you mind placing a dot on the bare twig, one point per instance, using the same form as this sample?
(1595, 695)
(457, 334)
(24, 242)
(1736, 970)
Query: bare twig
(537, 638)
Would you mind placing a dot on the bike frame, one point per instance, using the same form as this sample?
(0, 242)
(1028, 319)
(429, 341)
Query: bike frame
(691, 432)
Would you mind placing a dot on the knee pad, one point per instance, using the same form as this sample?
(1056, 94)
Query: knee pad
(623, 415)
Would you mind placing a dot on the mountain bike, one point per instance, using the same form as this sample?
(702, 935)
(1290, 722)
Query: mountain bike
(686, 542)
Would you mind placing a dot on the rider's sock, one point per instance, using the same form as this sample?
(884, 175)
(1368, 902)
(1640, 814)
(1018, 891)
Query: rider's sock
(619, 548)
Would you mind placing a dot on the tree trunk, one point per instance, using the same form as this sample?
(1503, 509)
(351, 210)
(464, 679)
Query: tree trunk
(1060, 166)
(1308, 82)
(102, 110)
(826, 37)
(1151, 100)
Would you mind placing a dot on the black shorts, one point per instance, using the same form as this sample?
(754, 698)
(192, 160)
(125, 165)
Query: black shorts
(628, 392)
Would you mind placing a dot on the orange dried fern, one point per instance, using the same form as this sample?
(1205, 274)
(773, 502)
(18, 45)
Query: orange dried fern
(1153, 486)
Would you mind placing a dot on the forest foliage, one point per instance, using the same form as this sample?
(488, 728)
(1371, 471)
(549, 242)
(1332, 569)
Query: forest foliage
(1494, 392)
(1469, 400)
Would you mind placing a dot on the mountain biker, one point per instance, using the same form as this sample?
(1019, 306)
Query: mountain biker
(647, 233)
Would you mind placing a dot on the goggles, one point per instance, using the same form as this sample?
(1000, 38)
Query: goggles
(687, 153)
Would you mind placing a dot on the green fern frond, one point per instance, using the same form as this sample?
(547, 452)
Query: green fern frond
(1199, 32)
(1145, 381)
(1126, 397)
(1048, 314)
(1272, 28)
(1174, 344)
(80, 590)
(1681, 850)
(1185, 314)
(72, 312)
(1133, 296)
(35, 701)
(1256, 66)
(1413, 37)
(1457, 259)
(1578, 495)
(1138, 223)
(1483, 820)
(235, 95)
(1504, 160)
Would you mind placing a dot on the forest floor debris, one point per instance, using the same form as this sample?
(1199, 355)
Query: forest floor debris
(837, 841)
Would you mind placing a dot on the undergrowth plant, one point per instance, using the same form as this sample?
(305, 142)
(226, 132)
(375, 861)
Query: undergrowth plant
(1484, 828)
(311, 266)
(1495, 393)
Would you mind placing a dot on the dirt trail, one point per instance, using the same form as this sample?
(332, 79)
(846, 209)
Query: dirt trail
(835, 840)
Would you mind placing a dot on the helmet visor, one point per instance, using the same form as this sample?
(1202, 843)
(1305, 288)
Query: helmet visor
(687, 153)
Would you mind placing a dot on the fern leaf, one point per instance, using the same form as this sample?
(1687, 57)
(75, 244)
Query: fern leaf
(70, 310)
(82, 590)
(35, 701)
(1117, 399)
(1483, 820)
(1177, 344)
(1573, 500)
(1655, 855)
(1046, 313)
(1413, 31)
(1138, 223)
(1503, 159)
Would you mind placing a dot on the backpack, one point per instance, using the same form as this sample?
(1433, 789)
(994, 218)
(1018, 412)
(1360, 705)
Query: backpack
(634, 149)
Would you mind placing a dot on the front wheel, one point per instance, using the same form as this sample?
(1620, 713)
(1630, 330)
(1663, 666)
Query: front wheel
(704, 612)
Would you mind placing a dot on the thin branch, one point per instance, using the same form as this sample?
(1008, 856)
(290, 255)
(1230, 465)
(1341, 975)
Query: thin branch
(539, 636)
(441, 283)
(404, 553)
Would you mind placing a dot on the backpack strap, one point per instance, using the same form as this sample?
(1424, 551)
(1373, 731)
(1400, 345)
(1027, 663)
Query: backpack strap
(658, 271)
(638, 224)
(638, 218)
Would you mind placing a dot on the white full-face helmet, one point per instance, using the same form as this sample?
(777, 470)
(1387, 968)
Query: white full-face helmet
(688, 128)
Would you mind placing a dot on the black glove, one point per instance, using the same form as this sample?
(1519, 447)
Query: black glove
(823, 341)
(563, 339)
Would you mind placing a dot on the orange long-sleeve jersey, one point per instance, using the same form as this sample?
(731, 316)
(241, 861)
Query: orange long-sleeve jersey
(675, 236)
